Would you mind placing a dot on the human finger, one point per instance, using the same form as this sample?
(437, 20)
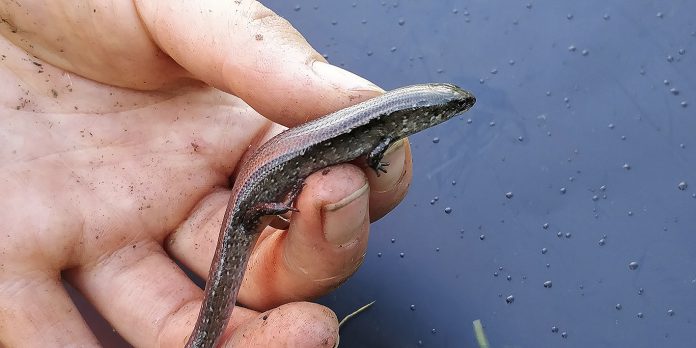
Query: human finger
(324, 244)
(286, 266)
(245, 48)
(36, 311)
(297, 324)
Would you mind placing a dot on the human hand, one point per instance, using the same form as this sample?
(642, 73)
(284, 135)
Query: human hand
(115, 154)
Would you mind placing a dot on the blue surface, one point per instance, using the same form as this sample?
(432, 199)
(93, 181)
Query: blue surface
(574, 97)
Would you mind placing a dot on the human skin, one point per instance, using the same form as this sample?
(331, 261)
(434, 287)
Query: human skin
(121, 125)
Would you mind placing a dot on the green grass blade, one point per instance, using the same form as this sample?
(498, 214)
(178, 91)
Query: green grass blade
(480, 335)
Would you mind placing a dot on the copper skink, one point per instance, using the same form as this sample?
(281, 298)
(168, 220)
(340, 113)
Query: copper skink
(270, 180)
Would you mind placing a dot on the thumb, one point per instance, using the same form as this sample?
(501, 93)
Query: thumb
(246, 49)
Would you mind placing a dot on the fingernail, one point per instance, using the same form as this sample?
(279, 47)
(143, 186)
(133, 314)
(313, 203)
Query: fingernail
(344, 219)
(396, 157)
(343, 78)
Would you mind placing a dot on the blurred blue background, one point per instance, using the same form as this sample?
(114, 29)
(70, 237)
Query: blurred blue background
(575, 169)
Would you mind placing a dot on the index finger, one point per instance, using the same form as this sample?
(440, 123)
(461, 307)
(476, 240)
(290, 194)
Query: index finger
(246, 49)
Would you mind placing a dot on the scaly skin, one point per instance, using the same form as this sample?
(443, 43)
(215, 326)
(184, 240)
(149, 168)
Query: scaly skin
(272, 177)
